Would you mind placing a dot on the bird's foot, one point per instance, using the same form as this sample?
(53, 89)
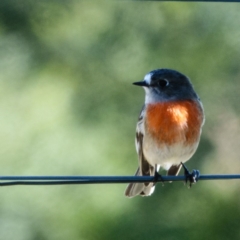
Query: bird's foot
(156, 178)
(191, 177)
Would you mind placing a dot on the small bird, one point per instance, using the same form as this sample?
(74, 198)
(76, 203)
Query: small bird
(169, 126)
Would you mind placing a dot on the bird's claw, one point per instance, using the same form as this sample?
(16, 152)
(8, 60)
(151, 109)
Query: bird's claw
(191, 177)
(156, 178)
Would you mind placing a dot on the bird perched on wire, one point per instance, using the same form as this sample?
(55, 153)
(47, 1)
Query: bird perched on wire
(169, 126)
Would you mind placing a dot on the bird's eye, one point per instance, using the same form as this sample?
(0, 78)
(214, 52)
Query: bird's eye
(162, 83)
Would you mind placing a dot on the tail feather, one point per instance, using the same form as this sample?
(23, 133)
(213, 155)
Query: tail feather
(143, 189)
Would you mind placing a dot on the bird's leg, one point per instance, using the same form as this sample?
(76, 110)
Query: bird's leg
(156, 178)
(191, 177)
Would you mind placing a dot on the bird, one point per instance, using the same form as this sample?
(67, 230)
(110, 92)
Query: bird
(168, 129)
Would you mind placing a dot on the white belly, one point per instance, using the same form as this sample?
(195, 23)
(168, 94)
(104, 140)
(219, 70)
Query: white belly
(167, 156)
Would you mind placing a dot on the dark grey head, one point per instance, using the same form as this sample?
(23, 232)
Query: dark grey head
(166, 85)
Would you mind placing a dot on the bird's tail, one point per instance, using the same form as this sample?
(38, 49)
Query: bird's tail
(143, 189)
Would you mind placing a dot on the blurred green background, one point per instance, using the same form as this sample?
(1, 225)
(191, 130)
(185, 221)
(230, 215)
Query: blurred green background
(67, 107)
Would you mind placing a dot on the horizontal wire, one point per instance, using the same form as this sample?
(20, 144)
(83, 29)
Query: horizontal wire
(65, 180)
(193, 0)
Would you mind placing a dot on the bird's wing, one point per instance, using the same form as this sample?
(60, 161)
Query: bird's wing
(144, 169)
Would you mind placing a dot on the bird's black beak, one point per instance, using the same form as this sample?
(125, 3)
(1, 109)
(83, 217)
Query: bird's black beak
(141, 83)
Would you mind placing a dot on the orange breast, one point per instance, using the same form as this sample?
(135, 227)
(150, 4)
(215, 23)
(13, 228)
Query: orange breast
(171, 122)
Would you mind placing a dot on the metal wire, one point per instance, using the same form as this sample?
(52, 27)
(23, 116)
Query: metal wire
(65, 180)
(193, 0)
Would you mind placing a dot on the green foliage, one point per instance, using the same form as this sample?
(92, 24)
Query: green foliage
(67, 107)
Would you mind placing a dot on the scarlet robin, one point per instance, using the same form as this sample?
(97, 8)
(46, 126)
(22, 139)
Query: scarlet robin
(169, 126)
